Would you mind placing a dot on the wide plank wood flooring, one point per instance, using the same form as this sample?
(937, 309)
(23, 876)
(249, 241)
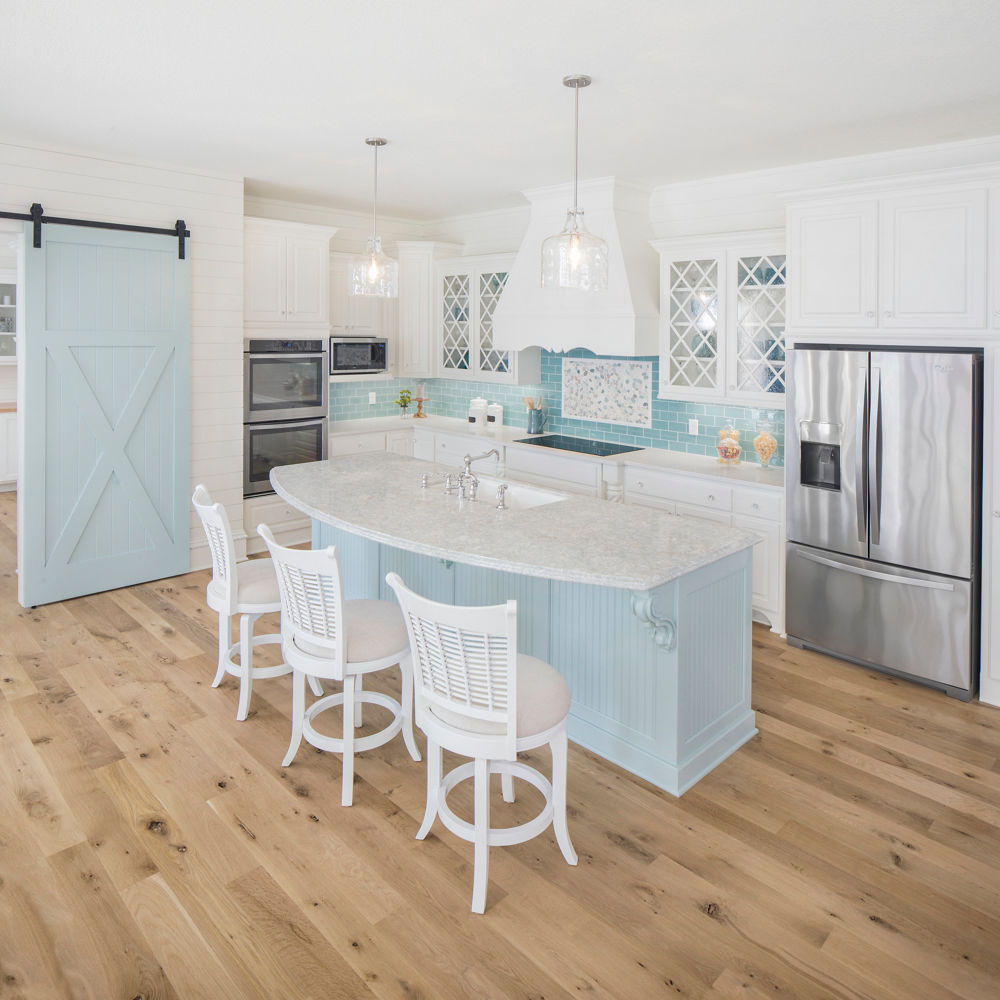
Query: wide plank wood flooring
(153, 847)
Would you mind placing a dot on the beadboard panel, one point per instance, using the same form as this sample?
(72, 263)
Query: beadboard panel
(640, 700)
(74, 185)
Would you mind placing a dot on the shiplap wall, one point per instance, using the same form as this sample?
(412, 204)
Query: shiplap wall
(73, 185)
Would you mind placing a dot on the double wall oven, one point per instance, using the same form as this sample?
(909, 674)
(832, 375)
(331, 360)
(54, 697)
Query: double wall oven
(285, 407)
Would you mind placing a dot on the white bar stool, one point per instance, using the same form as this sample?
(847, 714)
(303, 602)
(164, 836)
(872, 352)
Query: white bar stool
(324, 636)
(248, 590)
(476, 696)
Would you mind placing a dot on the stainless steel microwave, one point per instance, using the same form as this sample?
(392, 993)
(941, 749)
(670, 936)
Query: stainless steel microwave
(358, 355)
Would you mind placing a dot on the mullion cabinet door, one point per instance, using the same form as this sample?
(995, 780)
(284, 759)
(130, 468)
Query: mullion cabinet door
(695, 328)
(756, 358)
(456, 320)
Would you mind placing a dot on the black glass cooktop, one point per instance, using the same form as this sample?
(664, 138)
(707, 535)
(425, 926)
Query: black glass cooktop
(582, 445)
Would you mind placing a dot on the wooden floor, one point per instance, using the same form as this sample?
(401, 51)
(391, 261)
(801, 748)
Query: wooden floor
(151, 846)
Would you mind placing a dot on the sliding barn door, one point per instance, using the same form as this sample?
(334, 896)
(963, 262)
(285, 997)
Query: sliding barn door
(103, 500)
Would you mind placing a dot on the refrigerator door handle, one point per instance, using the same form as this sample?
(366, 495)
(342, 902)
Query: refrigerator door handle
(872, 574)
(875, 456)
(860, 479)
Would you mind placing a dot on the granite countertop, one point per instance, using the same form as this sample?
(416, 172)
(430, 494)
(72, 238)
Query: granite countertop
(582, 540)
(656, 458)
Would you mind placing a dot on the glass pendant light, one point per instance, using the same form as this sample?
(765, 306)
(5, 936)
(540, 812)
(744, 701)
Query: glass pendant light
(375, 272)
(575, 258)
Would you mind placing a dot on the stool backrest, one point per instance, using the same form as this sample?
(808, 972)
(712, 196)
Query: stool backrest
(465, 671)
(215, 521)
(312, 606)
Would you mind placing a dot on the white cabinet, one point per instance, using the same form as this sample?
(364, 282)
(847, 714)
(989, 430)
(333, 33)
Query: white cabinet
(722, 318)
(417, 326)
(286, 276)
(741, 506)
(562, 472)
(469, 290)
(899, 262)
(350, 315)
(352, 444)
(399, 442)
(8, 451)
(451, 449)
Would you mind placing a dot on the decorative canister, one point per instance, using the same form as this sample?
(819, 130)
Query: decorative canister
(729, 445)
(765, 444)
(494, 417)
(477, 415)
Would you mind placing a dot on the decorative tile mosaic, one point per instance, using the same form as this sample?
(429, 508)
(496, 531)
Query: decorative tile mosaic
(615, 392)
(449, 397)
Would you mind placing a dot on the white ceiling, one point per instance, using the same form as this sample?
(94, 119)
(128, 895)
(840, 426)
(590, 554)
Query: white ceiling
(469, 94)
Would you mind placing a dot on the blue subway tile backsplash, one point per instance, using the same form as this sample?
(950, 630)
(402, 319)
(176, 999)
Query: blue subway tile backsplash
(450, 398)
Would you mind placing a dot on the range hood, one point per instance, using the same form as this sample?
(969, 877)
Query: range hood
(623, 320)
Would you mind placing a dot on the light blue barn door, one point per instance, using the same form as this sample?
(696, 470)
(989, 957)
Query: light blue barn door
(103, 501)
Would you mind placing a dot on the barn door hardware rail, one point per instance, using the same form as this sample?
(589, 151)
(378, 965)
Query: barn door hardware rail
(36, 216)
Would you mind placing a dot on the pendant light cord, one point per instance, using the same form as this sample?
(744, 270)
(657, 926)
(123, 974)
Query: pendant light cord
(576, 145)
(374, 194)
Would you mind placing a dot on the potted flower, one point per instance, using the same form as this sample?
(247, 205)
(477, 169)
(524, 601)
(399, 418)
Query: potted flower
(403, 400)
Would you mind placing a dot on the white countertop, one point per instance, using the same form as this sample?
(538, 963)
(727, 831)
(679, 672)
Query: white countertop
(378, 495)
(656, 458)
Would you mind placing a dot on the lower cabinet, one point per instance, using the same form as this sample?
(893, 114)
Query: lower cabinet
(351, 444)
(561, 472)
(399, 442)
(451, 449)
(8, 451)
(749, 507)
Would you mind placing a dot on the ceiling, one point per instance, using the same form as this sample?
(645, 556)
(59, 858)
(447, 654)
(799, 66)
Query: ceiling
(470, 96)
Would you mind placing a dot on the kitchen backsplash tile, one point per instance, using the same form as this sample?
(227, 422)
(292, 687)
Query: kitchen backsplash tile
(616, 392)
(668, 422)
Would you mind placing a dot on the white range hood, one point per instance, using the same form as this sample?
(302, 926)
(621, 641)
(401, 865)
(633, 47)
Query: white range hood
(623, 320)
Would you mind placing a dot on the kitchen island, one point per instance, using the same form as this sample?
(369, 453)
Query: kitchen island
(646, 614)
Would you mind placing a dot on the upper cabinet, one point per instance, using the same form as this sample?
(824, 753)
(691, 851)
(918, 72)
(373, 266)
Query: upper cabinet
(900, 262)
(722, 318)
(351, 315)
(286, 273)
(469, 290)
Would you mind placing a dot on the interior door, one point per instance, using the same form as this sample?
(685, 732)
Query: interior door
(105, 401)
(921, 444)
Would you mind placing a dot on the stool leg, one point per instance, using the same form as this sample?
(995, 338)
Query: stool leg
(507, 786)
(406, 696)
(225, 641)
(558, 747)
(246, 665)
(481, 865)
(433, 787)
(315, 686)
(358, 703)
(347, 786)
(298, 713)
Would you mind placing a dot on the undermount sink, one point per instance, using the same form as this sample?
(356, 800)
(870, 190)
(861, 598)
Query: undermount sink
(519, 496)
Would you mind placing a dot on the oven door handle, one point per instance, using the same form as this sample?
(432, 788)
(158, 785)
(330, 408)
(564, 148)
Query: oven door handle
(287, 357)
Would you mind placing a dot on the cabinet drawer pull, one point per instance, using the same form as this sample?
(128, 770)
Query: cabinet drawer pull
(755, 506)
(711, 497)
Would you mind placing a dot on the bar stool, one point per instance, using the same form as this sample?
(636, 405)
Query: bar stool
(249, 590)
(478, 697)
(324, 636)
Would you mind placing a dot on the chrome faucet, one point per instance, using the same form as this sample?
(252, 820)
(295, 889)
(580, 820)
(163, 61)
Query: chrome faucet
(502, 496)
(468, 460)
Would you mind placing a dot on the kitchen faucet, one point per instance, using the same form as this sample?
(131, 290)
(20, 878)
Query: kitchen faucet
(468, 460)
(468, 483)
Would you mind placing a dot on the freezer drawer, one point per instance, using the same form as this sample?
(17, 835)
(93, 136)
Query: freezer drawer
(907, 622)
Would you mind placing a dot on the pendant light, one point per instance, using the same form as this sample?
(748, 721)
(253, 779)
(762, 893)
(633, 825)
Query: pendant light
(375, 272)
(575, 258)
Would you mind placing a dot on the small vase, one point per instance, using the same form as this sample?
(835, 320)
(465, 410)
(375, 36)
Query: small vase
(404, 412)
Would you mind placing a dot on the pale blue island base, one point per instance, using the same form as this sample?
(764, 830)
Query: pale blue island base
(659, 668)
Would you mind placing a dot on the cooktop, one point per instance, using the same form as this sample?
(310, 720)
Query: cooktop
(599, 448)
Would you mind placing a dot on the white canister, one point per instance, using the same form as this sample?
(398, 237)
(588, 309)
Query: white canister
(494, 416)
(477, 415)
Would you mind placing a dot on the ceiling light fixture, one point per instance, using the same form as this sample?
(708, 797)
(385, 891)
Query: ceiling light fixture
(375, 272)
(575, 258)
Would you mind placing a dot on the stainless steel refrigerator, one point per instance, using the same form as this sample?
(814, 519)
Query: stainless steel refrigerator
(883, 487)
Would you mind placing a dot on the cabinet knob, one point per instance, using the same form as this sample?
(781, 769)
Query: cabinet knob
(711, 497)
(996, 513)
(870, 314)
(755, 506)
(643, 485)
(887, 314)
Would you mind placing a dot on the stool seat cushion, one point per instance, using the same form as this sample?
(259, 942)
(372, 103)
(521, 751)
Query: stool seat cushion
(542, 702)
(375, 630)
(256, 586)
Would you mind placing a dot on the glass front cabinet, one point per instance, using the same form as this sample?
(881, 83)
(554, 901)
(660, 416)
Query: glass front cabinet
(722, 319)
(469, 290)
